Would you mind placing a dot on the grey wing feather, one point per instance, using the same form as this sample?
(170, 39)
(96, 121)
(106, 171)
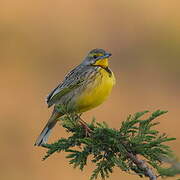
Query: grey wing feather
(48, 98)
(72, 78)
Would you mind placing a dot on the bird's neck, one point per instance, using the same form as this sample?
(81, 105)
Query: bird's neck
(102, 63)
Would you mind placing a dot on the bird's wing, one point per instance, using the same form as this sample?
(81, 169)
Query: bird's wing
(73, 80)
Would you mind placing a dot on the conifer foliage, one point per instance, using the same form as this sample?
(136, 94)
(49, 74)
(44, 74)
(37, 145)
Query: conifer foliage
(136, 147)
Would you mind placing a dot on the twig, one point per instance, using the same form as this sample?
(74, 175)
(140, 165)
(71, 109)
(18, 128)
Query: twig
(141, 164)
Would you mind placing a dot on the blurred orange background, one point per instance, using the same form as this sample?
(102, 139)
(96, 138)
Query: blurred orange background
(42, 40)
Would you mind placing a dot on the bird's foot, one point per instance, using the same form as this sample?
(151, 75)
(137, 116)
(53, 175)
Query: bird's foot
(88, 131)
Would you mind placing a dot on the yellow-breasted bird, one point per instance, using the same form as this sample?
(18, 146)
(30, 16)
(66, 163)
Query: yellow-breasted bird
(83, 88)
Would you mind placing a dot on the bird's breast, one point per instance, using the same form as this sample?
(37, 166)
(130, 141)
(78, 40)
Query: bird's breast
(96, 91)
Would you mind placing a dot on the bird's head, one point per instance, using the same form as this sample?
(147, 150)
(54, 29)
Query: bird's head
(97, 57)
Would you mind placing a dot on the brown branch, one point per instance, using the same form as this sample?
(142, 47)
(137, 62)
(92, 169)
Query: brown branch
(142, 165)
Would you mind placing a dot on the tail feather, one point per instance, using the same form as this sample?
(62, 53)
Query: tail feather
(43, 137)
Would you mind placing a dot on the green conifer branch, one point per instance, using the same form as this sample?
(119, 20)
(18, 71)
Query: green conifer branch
(136, 147)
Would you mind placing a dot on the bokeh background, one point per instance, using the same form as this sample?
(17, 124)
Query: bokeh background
(41, 40)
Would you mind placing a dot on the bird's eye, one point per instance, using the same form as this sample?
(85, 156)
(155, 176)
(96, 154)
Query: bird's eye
(95, 56)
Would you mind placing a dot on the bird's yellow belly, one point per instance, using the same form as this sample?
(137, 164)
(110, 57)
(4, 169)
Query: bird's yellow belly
(96, 92)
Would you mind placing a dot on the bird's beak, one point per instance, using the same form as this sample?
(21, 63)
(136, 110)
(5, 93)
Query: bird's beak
(107, 55)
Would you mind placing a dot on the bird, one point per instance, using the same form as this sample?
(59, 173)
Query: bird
(85, 87)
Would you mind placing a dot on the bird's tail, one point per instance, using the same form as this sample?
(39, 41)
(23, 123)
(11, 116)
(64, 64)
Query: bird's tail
(43, 137)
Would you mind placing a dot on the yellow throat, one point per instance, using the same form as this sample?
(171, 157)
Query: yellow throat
(102, 62)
